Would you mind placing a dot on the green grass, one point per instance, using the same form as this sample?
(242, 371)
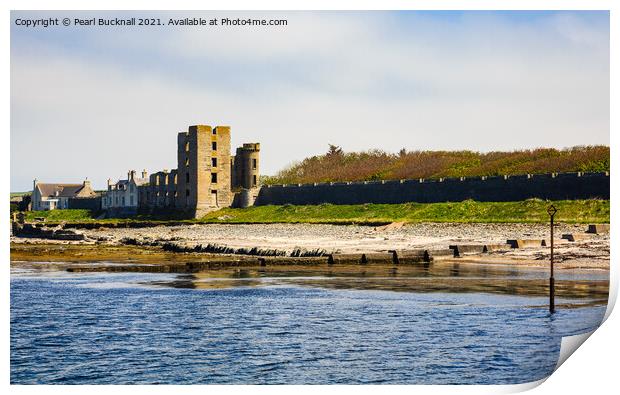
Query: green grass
(61, 215)
(78, 215)
(528, 211)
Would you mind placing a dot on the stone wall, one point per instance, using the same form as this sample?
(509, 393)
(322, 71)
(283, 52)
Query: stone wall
(245, 197)
(91, 203)
(566, 186)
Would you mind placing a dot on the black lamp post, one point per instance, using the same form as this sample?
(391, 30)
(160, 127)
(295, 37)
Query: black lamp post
(551, 211)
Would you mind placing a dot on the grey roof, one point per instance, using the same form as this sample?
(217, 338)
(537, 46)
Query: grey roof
(138, 181)
(59, 190)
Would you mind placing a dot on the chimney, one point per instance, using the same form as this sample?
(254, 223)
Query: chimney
(144, 173)
(132, 175)
(34, 183)
(86, 183)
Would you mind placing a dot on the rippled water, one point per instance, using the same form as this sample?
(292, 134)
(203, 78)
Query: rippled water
(135, 328)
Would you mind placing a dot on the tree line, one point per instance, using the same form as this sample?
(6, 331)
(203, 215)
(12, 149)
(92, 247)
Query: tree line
(337, 165)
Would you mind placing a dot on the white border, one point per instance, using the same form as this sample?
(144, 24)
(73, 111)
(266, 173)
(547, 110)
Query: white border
(591, 370)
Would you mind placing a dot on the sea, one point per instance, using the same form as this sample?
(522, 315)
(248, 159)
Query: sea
(257, 328)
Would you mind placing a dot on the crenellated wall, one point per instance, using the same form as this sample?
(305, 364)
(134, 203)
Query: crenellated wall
(565, 186)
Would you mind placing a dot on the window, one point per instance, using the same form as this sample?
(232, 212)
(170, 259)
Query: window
(214, 131)
(254, 163)
(213, 162)
(186, 177)
(254, 180)
(187, 146)
(131, 200)
(214, 145)
(213, 178)
(187, 192)
(186, 161)
(123, 200)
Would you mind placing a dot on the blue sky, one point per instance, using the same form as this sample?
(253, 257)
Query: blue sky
(95, 102)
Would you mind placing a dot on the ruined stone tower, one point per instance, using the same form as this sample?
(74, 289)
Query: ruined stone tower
(245, 171)
(207, 177)
(245, 165)
(203, 172)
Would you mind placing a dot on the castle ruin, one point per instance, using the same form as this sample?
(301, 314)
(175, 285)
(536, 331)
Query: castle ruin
(207, 176)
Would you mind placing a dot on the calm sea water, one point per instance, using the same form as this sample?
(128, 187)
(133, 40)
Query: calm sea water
(120, 328)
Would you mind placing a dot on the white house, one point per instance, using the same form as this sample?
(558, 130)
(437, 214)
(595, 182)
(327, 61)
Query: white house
(122, 197)
(47, 196)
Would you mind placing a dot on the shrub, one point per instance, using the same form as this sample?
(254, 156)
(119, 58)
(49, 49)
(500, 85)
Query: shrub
(337, 165)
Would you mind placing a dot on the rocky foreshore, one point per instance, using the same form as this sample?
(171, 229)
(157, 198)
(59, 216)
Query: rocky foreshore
(487, 241)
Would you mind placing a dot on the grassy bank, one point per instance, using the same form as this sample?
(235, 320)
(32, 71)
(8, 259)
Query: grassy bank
(572, 211)
(79, 215)
(72, 215)
(534, 210)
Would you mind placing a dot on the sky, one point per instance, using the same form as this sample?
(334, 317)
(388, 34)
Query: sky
(94, 102)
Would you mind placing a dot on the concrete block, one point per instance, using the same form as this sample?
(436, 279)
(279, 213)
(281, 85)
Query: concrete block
(574, 236)
(525, 243)
(467, 249)
(496, 247)
(409, 256)
(598, 228)
(404, 253)
(345, 258)
(377, 257)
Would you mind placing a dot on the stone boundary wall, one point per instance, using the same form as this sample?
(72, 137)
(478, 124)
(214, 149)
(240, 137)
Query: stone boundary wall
(92, 204)
(564, 186)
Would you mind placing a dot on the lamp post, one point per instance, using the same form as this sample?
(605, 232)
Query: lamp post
(551, 211)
